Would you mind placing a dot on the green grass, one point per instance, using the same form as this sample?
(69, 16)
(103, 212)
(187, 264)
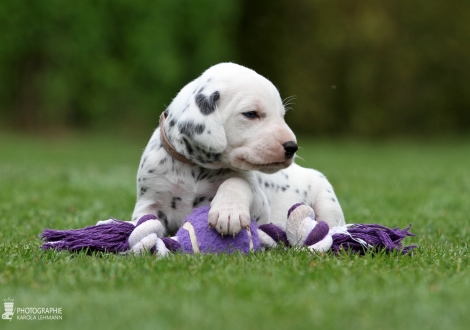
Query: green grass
(71, 182)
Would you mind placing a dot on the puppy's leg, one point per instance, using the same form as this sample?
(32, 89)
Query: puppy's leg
(230, 208)
(327, 208)
(314, 189)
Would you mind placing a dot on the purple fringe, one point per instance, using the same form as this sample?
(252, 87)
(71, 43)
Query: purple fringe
(111, 237)
(376, 236)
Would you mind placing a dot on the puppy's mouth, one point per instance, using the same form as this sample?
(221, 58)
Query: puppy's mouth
(257, 159)
(271, 167)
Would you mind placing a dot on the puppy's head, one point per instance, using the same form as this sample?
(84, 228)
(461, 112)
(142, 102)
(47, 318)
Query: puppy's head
(231, 117)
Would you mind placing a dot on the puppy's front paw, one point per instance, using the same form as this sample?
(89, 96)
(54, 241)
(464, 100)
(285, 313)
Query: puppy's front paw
(229, 218)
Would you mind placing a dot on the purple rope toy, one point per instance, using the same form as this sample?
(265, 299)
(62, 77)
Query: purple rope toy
(195, 237)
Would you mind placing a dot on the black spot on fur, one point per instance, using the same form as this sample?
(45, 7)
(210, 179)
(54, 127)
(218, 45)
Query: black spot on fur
(143, 190)
(334, 200)
(198, 200)
(163, 161)
(217, 157)
(151, 171)
(189, 128)
(206, 157)
(172, 123)
(162, 217)
(189, 149)
(186, 128)
(297, 191)
(200, 128)
(266, 185)
(206, 104)
(203, 174)
(173, 202)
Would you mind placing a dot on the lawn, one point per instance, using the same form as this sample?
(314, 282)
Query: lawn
(72, 181)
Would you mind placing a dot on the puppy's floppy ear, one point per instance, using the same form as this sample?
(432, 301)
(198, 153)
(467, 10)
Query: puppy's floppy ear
(200, 122)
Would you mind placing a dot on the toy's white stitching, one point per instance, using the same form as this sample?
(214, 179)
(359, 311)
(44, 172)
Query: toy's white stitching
(192, 236)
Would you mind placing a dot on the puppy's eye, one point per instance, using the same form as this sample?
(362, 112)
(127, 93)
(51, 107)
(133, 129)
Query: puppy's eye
(251, 114)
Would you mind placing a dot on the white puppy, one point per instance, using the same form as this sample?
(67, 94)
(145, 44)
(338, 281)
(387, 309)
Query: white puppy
(225, 143)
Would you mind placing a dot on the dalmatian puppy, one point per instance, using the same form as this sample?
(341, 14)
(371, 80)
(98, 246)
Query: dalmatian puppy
(223, 141)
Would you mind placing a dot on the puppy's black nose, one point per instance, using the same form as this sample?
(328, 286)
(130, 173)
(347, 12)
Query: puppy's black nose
(290, 147)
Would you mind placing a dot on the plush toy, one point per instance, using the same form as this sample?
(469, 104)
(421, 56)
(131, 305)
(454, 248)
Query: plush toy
(194, 236)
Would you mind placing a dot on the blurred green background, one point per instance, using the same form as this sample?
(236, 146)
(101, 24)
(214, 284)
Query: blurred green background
(367, 68)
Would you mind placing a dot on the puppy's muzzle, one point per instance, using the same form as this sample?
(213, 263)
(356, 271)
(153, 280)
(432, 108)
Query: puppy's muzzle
(290, 147)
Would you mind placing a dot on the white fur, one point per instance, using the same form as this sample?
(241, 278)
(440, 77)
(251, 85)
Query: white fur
(241, 171)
